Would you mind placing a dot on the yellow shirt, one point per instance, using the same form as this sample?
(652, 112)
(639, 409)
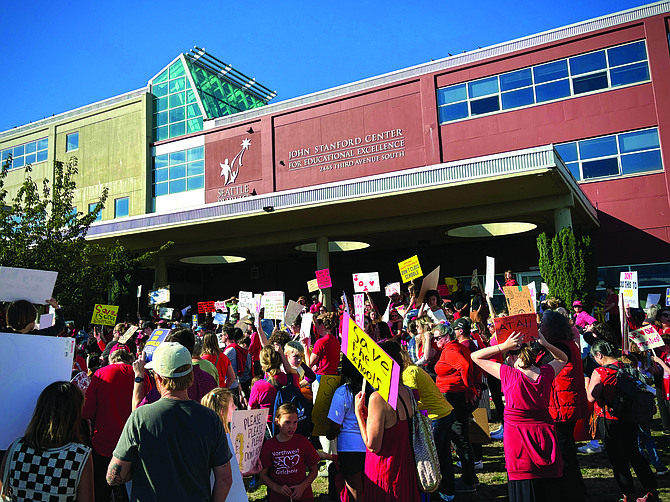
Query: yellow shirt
(430, 398)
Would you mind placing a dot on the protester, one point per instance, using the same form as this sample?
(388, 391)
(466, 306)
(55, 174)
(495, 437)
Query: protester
(344, 426)
(264, 391)
(456, 381)
(532, 457)
(221, 402)
(390, 471)
(155, 442)
(582, 318)
(50, 462)
(204, 364)
(21, 316)
(212, 353)
(286, 457)
(325, 357)
(108, 406)
(619, 438)
(567, 403)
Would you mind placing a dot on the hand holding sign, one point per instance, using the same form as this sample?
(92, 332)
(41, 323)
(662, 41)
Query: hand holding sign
(525, 324)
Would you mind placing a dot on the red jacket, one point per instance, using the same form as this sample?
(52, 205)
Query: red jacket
(455, 372)
(568, 401)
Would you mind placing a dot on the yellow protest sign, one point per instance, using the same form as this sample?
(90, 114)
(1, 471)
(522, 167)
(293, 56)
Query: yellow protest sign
(324, 397)
(105, 315)
(312, 285)
(378, 368)
(410, 268)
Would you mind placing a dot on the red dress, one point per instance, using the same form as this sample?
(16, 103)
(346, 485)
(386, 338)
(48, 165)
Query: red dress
(390, 474)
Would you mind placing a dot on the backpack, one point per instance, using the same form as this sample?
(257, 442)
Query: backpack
(633, 403)
(290, 393)
(243, 359)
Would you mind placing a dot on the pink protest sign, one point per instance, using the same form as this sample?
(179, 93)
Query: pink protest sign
(392, 289)
(359, 309)
(323, 278)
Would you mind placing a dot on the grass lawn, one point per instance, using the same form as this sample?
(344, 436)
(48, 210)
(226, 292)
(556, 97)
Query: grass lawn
(596, 470)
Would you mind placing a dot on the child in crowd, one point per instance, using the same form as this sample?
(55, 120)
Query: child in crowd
(285, 458)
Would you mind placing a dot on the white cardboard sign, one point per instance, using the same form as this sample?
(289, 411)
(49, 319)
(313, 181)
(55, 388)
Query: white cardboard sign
(392, 289)
(368, 281)
(646, 338)
(628, 287)
(490, 272)
(36, 286)
(247, 431)
(293, 310)
(50, 361)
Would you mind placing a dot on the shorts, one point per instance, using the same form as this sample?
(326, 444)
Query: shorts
(351, 462)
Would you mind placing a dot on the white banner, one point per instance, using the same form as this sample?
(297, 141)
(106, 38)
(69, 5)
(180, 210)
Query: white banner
(490, 273)
(36, 286)
(273, 301)
(368, 281)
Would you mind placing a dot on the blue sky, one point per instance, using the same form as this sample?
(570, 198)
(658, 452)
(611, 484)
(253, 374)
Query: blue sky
(62, 55)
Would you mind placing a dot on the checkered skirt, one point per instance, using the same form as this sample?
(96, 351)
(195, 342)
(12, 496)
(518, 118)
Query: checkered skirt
(52, 475)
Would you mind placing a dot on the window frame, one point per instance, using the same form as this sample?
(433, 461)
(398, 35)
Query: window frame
(534, 85)
(21, 159)
(189, 159)
(67, 142)
(116, 202)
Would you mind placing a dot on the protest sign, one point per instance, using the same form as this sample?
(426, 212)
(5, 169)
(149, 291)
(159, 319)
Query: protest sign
(247, 431)
(490, 280)
(359, 309)
(105, 315)
(165, 312)
(50, 361)
(159, 296)
(438, 316)
(525, 324)
(410, 269)
(451, 283)
(206, 307)
(312, 285)
(268, 326)
(306, 325)
(221, 306)
(429, 282)
(533, 293)
(392, 289)
(628, 287)
(35, 286)
(128, 334)
(667, 297)
(544, 289)
(366, 282)
(246, 299)
(46, 320)
(443, 289)
(274, 304)
(653, 299)
(220, 318)
(323, 278)
(293, 310)
(155, 339)
(474, 280)
(324, 397)
(646, 338)
(518, 300)
(378, 368)
(139, 291)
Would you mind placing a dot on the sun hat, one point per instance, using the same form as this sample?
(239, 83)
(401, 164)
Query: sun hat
(168, 357)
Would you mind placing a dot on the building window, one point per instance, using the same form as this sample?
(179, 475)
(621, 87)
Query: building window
(91, 208)
(121, 207)
(27, 153)
(586, 73)
(616, 155)
(72, 142)
(179, 171)
(176, 110)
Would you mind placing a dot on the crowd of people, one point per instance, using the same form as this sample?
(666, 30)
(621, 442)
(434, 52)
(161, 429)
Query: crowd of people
(134, 429)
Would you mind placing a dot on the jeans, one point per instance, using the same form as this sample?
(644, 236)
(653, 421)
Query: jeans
(461, 437)
(442, 435)
(644, 440)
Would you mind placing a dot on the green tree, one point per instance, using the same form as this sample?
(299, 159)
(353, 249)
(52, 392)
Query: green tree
(567, 264)
(40, 229)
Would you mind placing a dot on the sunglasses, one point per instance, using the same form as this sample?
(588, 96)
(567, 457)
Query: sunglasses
(665, 314)
(439, 337)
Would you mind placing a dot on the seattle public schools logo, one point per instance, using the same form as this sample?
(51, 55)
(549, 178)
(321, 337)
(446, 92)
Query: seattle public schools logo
(228, 171)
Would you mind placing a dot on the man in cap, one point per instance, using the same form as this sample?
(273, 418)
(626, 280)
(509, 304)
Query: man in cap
(168, 448)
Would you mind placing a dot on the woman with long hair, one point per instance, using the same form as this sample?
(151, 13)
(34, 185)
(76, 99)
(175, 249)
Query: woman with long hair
(619, 438)
(344, 426)
(568, 402)
(264, 391)
(532, 457)
(212, 353)
(53, 438)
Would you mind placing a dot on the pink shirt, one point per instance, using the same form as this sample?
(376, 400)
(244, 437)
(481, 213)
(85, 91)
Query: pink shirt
(263, 393)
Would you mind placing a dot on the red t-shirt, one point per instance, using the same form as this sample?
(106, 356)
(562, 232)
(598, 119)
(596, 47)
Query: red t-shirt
(255, 347)
(328, 350)
(221, 365)
(287, 462)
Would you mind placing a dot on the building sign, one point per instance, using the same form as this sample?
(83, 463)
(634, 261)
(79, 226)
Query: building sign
(232, 164)
(372, 134)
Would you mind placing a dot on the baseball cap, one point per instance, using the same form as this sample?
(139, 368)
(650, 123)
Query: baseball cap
(168, 357)
(577, 303)
(461, 323)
